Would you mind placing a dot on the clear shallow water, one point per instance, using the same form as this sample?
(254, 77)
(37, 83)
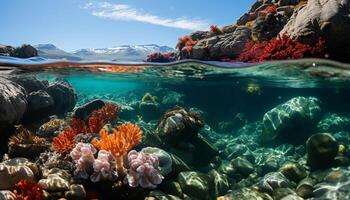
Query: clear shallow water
(233, 100)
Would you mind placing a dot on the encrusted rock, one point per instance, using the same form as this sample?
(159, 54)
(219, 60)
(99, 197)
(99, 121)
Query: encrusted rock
(195, 184)
(85, 110)
(13, 174)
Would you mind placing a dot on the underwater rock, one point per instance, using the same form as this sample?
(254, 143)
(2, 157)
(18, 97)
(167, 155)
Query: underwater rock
(172, 188)
(274, 180)
(178, 125)
(172, 99)
(246, 194)
(293, 171)
(242, 166)
(221, 184)
(194, 184)
(165, 161)
(149, 107)
(76, 192)
(13, 174)
(85, 110)
(292, 121)
(7, 195)
(321, 150)
(178, 165)
(64, 96)
(39, 101)
(23, 162)
(30, 83)
(338, 191)
(127, 112)
(13, 102)
(55, 180)
(333, 123)
(327, 18)
(305, 188)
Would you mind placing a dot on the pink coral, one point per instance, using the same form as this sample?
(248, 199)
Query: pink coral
(143, 170)
(104, 167)
(83, 157)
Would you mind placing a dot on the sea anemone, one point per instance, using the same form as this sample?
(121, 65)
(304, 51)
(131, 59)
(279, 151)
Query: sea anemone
(28, 190)
(64, 142)
(120, 142)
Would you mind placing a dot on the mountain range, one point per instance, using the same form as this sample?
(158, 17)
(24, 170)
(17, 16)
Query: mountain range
(117, 53)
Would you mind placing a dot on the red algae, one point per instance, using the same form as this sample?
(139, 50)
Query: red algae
(28, 190)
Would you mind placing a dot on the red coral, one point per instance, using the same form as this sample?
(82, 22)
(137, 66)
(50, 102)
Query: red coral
(160, 57)
(96, 120)
(64, 142)
(183, 41)
(215, 29)
(281, 48)
(27, 190)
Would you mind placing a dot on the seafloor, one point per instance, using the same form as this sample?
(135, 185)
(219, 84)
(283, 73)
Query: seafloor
(190, 134)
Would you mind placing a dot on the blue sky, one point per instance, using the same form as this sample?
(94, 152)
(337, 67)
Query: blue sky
(75, 24)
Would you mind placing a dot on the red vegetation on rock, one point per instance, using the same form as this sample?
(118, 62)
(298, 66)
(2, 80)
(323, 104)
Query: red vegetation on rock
(27, 190)
(160, 57)
(215, 29)
(268, 10)
(281, 48)
(64, 142)
(96, 120)
(183, 41)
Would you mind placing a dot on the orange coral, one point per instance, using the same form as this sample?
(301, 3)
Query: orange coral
(120, 141)
(64, 142)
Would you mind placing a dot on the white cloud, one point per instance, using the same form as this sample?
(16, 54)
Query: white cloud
(125, 12)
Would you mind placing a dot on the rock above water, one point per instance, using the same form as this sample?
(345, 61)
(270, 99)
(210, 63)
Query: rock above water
(24, 51)
(292, 121)
(13, 102)
(327, 18)
(321, 150)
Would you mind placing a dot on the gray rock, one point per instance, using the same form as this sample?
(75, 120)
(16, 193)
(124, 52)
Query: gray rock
(30, 83)
(76, 192)
(267, 27)
(85, 110)
(292, 121)
(242, 166)
(39, 100)
(13, 174)
(274, 180)
(199, 35)
(229, 28)
(221, 184)
(6, 50)
(305, 188)
(165, 161)
(13, 102)
(287, 10)
(54, 183)
(64, 96)
(247, 194)
(24, 51)
(293, 171)
(321, 150)
(194, 184)
(327, 18)
(7, 195)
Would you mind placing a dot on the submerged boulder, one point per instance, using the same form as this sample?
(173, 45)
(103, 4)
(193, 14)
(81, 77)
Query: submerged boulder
(64, 96)
(85, 110)
(13, 102)
(321, 150)
(292, 121)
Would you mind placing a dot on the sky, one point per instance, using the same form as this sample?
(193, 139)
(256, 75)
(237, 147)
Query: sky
(76, 24)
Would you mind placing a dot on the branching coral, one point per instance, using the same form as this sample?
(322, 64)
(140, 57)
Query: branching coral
(119, 142)
(27, 190)
(216, 30)
(160, 57)
(64, 142)
(143, 170)
(281, 48)
(24, 136)
(96, 120)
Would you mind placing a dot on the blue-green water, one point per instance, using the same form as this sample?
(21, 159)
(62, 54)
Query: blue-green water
(258, 119)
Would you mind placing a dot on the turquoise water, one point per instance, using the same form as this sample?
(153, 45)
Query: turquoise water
(257, 118)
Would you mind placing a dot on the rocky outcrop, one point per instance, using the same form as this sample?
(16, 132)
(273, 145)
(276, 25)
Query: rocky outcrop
(323, 18)
(24, 51)
(304, 21)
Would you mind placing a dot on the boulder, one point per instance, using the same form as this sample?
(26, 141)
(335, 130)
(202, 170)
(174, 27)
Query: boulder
(85, 110)
(64, 96)
(6, 50)
(321, 150)
(327, 18)
(30, 83)
(292, 121)
(195, 184)
(24, 51)
(267, 27)
(7, 195)
(13, 102)
(274, 180)
(39, 101)
(13, 174)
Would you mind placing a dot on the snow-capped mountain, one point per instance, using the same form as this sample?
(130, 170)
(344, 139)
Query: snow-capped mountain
(125, 52)
(118, 53)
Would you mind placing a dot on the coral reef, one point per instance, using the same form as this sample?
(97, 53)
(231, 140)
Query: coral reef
(143, 170)
(28, 190)
(64, 142)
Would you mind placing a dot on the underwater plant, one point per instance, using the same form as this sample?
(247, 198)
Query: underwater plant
(143, 170)
(160, 57)
(28, 190)
(281, 48)
(120, 142)
(64, 142)
(96, 120)
(216, 30)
